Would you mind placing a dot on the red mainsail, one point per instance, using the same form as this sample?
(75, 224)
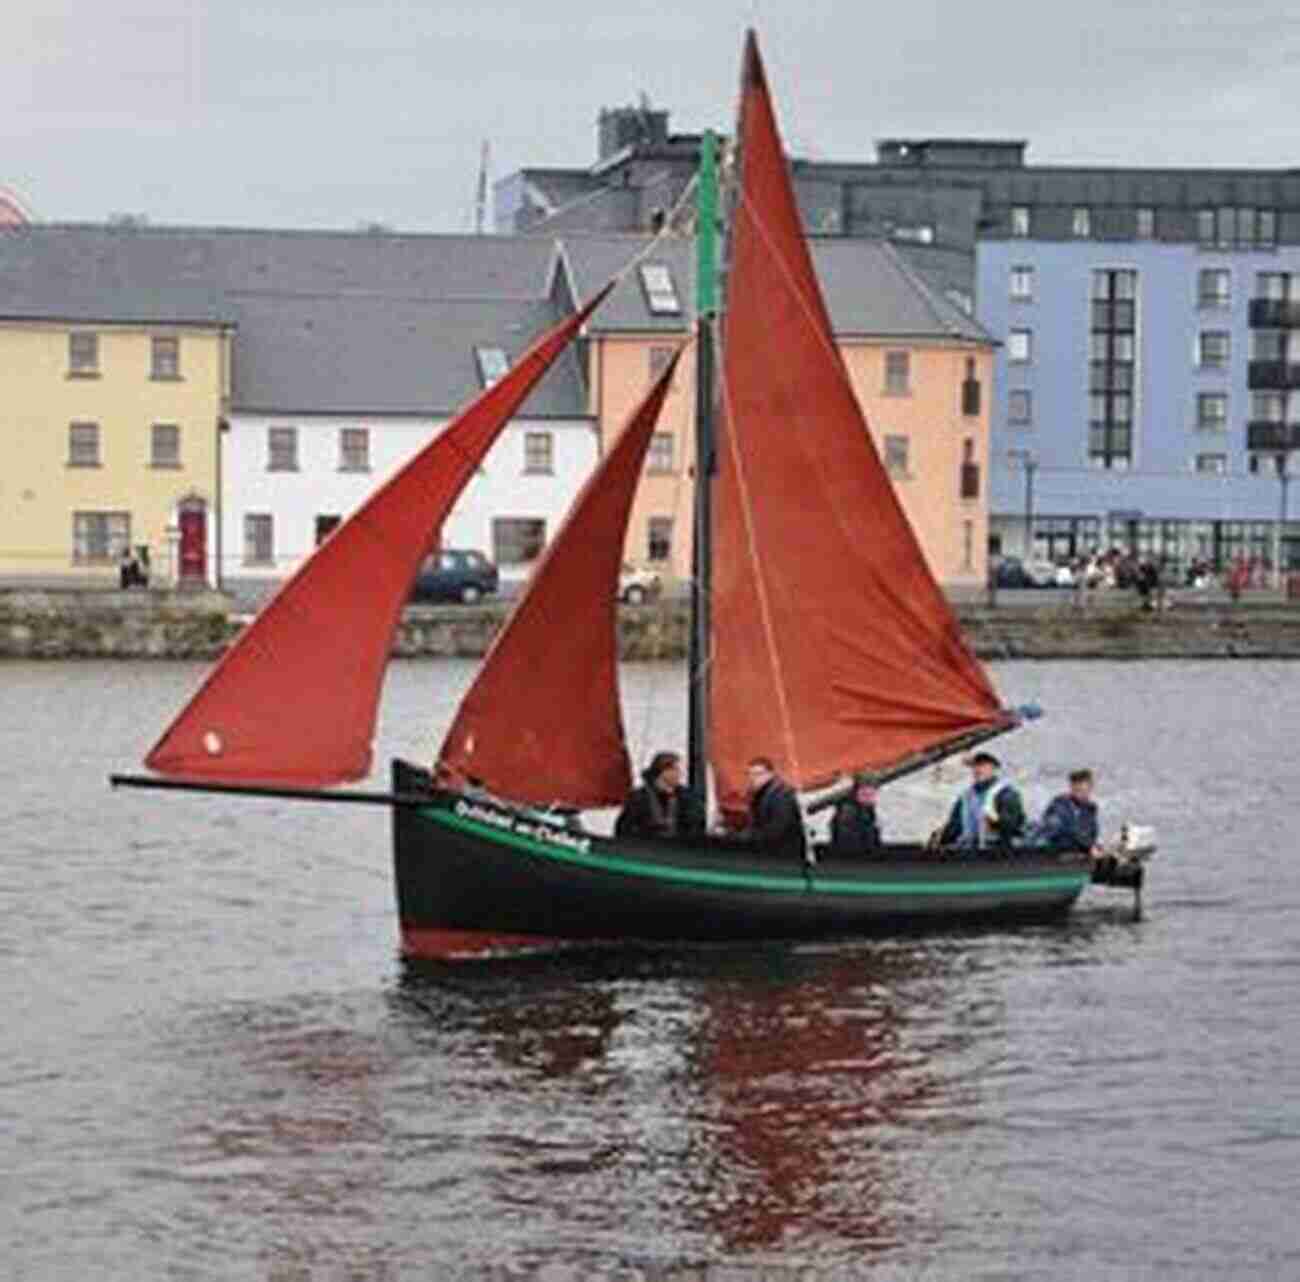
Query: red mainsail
(833, 646)
(293, 701)
(542, 721)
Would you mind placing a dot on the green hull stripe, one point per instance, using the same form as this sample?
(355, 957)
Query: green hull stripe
(760, 881)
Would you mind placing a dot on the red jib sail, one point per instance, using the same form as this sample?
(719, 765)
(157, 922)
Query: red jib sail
(542, 722)
(833, 646)
(294, 699)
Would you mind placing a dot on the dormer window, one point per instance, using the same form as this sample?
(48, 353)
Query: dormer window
(660, 292)
(492, 364)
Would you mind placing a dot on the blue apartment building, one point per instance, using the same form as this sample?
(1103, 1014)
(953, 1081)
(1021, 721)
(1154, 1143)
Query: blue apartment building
(1143, 398)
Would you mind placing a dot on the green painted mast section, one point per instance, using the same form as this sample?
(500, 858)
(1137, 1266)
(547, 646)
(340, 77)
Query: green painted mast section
(706, 303)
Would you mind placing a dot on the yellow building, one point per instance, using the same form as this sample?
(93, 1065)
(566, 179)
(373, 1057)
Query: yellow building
(110, 412)
(921, 368)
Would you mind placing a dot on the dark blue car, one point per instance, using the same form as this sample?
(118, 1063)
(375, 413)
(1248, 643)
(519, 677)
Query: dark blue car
(453, 575)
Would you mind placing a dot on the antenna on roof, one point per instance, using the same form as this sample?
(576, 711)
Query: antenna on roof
(480, 200)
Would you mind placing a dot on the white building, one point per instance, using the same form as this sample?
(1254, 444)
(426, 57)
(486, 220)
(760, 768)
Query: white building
(333, 392)
(288, 481)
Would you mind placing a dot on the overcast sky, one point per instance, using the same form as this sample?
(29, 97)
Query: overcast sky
(329, 114)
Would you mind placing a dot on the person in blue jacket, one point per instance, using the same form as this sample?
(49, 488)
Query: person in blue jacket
(1071, 821)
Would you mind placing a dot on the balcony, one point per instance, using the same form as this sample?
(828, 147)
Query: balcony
(970, 396)
(1275, 313)
(1266, 375)
(1265, 437)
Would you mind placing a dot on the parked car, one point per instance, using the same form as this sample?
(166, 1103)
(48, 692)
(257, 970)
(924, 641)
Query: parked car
(455, 575)
(638, 586)
(1012, 572)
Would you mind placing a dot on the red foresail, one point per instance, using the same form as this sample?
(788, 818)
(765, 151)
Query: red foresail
(542, 721)
(833, 646)
(294, 699)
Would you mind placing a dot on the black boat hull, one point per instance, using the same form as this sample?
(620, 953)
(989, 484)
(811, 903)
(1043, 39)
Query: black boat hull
(477, 876)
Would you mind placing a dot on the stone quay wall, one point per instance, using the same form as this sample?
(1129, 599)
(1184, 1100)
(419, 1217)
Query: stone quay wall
(157, 625)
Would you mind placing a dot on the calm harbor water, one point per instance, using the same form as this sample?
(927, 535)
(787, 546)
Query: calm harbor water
(212, 1064)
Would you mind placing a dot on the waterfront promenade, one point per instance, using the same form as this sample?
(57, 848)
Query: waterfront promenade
(1044, 624)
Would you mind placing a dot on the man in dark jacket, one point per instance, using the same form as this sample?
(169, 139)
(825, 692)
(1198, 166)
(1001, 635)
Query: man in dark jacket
(1071, 821)
(855, 832)
(775, 822)
(661, 807)
(989, 813)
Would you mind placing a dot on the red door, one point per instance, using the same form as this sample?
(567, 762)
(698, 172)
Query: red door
(194, 545)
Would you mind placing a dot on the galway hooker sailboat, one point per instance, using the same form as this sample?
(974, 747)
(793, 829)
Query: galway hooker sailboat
(820, 638)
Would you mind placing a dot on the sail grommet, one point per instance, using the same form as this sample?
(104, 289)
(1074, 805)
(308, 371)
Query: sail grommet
(212, 743)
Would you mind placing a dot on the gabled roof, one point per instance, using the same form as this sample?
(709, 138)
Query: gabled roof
(871, 289)
(371, 355)
(326, 322)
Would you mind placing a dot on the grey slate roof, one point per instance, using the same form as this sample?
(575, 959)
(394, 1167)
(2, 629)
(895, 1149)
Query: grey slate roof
(331, 355)
(871, 289)
(326, 322)
(357, 323)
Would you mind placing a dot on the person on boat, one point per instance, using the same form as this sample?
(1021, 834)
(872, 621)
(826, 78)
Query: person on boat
(1070, 822)
(775, 822)
(855, 830)
(661, 807)
(989, 813)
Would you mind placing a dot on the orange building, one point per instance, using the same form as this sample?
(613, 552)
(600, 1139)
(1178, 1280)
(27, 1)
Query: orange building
(921, 368)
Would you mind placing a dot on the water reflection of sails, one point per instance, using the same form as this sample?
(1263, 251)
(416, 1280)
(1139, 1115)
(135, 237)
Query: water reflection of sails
(810, 1075)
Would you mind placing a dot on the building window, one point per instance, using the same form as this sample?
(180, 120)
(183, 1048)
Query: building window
(1215, 287)
(164, 357)
(659, 538)
(1020, 346)
(517, 540)
(492, 364)
(1022, 284)
(969, 480)
(165, 445)
(896, 455)
(1274, 286)
(259, 538)
(1212, 349)
(1112, 375)
(898, 373)
(100, 537)
(660, 292)
(539, 453)
(1236, 227)
(1268, 407)
(1214, 464)
(1146, 223)
(83, 355)
(326, 524)
(659, 458)
(1020, 220)
(1268, 345)
(1020, 407)
(659, 355)
(968, 545)
(1212, 411)
(1081, 222)
(282, 449)
(83, 445)
(354, 449)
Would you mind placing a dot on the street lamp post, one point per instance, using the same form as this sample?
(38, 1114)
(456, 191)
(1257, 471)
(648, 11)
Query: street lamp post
(1030, 462)
(1284, 480)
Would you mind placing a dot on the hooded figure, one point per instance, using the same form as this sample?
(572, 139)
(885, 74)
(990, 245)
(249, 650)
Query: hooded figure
(661, 808)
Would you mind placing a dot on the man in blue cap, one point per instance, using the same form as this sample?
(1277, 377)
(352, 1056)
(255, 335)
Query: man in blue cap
(990, 813)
